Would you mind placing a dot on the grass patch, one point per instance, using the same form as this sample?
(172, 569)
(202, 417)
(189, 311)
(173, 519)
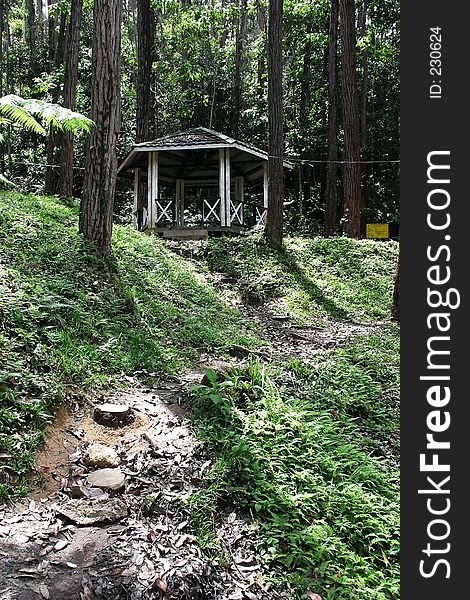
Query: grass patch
(70, 320)
(301, 447)
(318, 278)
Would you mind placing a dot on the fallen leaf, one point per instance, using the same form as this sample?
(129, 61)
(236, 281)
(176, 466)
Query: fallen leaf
(312, 595)
(161, 585)
(151, 535)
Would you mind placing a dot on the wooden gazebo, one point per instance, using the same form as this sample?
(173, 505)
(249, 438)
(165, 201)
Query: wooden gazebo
(196, 182)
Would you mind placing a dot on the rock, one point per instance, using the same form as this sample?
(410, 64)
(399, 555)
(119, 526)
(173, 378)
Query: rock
(80, 491)
(239, 351)
(220, 368)
(109, 479)
(76, 491)
(101, 456)
(61, 544)
(87, 512)
(230, 279)
(112, 415)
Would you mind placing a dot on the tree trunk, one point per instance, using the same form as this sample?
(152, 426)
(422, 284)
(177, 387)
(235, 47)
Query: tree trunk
(237, 88)
(51, 179)
(305, 87)
(96, 210)
(51, 34)
(352, 142)
(145, 45)
(65, 184)
(31, 30)
(2, 70)
(365, 76)
(396, 293)
(2, 29)
(261, 26)
(274, 218)
(331, 166)
(363, 107)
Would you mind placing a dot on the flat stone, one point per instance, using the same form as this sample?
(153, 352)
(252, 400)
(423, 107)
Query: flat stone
(238, 351)
(109, 479)
(86, 511)
(101, 456)
(79, 491)
(112, 415)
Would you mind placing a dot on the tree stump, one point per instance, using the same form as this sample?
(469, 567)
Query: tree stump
(112, 415)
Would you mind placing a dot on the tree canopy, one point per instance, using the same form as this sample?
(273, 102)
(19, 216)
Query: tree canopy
(208, 66)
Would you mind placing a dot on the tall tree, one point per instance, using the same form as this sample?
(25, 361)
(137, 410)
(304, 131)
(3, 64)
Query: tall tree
(237, 87)
(65, 184)
(31, 29)
(275, 217)
(57, 52)
(261, 66)
(96, 209)
(145, 51)
(351, 122)
(364, 93)
(331, 166)
(365, 75)
(396, 292)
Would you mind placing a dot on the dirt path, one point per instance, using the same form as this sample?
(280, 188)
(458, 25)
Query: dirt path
(148, 551)
(136, 542)
(286, 340)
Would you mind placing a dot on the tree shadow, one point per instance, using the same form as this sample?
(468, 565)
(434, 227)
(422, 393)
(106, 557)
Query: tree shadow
(288, 260)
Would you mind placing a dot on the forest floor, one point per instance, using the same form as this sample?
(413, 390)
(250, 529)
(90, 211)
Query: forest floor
(261, 457)
(147, 550)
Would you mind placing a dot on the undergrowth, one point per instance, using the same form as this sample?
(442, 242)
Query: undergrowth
(71, 321)
(309, 447)
(302, 446)
(317, 278)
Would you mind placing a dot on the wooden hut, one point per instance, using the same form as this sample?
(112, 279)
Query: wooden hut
(197, 182)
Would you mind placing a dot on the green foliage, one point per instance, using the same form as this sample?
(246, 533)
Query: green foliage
(321, 277)
(26, 112)
(70, 320)
(193, 83)
(290, 445)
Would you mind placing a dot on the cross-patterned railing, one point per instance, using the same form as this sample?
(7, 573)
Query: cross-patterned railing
(247, 214)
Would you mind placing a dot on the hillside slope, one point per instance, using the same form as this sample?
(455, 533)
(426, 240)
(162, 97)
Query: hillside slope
(302, 436)
(71, 321)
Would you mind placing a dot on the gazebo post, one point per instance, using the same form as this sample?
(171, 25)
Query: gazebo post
(265, 185)
(222, 186)
(152, 185)
(239, 198)
(136, 197)
(228, 212)
(180, 202)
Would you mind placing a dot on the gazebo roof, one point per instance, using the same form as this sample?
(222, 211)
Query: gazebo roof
(193, 154)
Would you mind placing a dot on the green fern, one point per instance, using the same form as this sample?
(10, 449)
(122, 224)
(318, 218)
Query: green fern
(33, 114)
(6, 181)
(38, 116)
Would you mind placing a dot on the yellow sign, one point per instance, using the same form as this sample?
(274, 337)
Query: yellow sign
(377, 230)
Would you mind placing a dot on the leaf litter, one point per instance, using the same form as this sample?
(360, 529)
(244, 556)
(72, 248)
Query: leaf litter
(132, 543)
(135, 542)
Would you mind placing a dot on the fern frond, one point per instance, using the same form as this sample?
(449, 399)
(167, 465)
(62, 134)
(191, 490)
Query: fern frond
(62, 119)
(11, 107)
(6, 181)
(28, 113)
